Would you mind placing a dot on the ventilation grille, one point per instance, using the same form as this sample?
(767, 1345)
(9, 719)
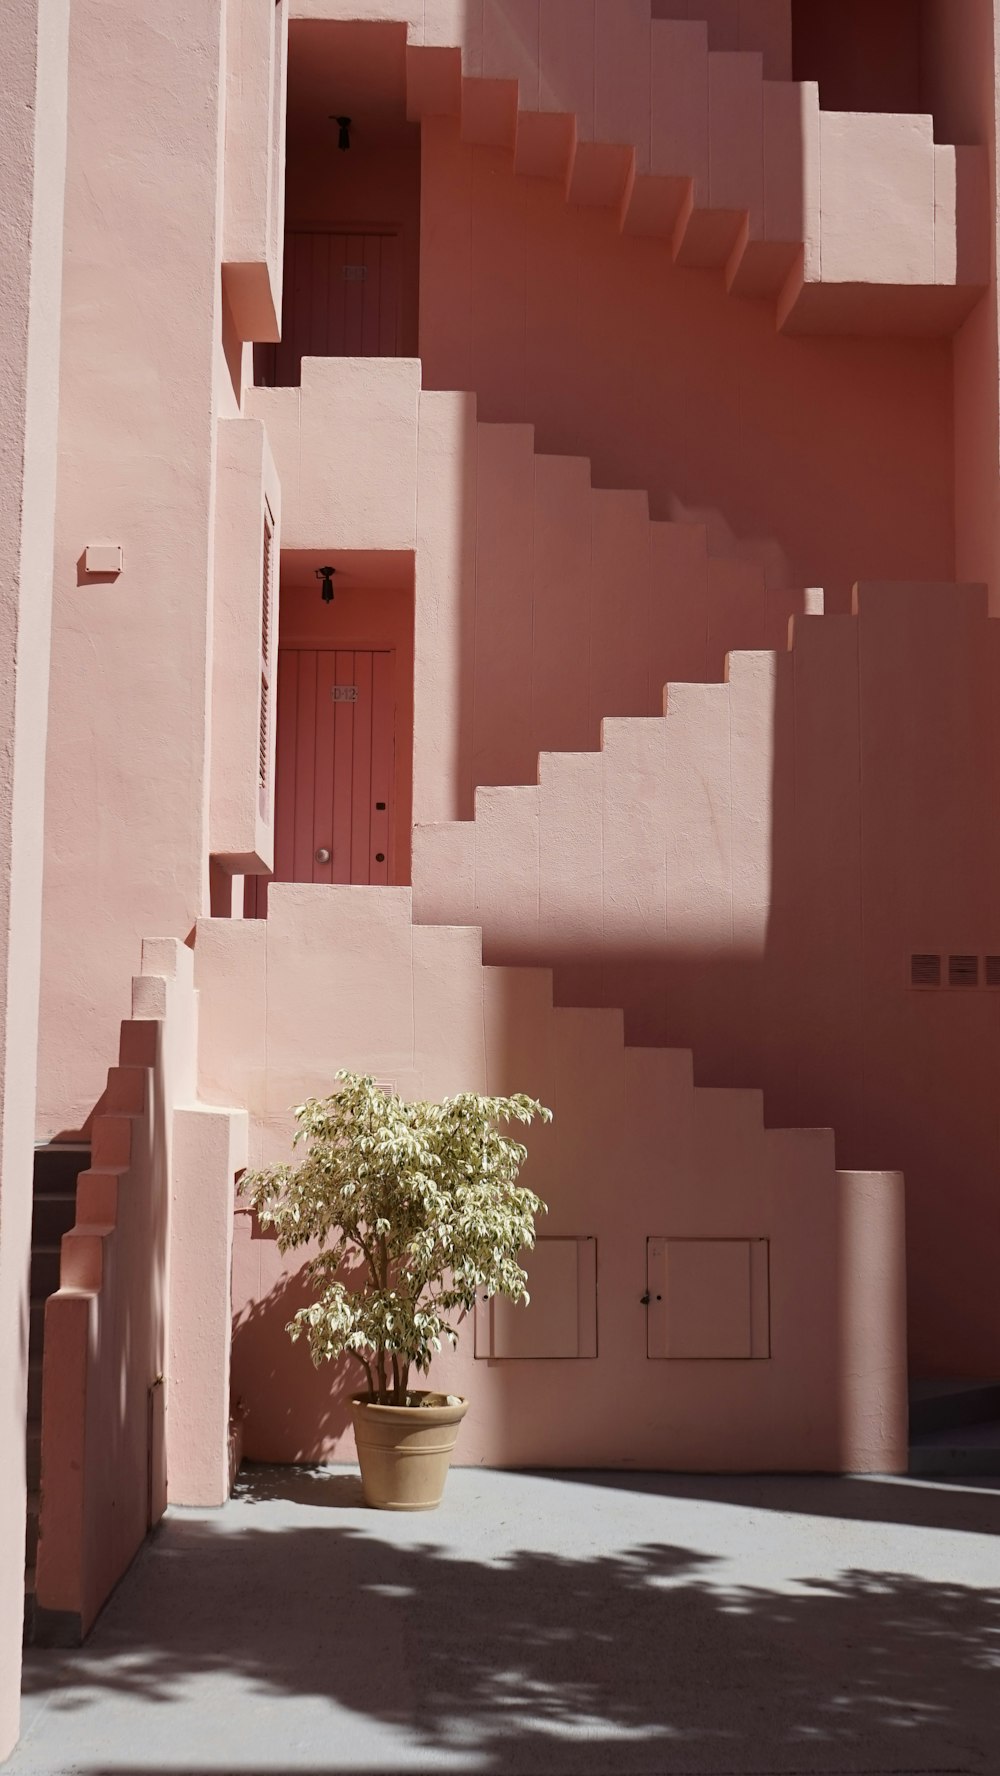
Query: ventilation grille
(262, 743)
(958, 971)
(268, 588)
(266, 624)
(925, 971)
(963, 971)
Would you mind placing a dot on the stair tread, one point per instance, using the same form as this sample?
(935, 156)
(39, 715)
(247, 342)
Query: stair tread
(948, 1406)
(968, 1436)
(936, 1389)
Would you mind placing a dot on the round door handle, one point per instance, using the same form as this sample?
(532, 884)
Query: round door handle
(322, 855)
(380, 857)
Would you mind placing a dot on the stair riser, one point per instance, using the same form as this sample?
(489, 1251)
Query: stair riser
(954, 1463)
(973, 1406)
(57, 1169)
(53, 1216)
(44, 1272)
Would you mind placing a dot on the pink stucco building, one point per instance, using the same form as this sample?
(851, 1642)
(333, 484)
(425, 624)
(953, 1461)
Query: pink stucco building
(628, 372)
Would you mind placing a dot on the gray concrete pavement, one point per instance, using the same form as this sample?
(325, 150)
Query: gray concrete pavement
(568, 1625)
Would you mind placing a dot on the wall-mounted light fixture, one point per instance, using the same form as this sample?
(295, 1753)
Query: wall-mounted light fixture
(326, 575)
(344, 127)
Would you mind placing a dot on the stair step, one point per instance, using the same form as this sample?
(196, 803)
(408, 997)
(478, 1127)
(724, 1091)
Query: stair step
(31, 1540)
(28, 1630)
(33, 1457)
(44, 1270)
(58, 1165)
(969, 1449)
(937, 1405)
(53, 1215)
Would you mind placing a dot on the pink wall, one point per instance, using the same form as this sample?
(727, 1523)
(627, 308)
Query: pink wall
(962, 52)
(33, 146)
(339, 977)
(128, 762)
(779, 445)
(770, 463)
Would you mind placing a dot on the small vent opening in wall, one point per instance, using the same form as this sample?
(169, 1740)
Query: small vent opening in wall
(963, 971)
(925, 971)
(262, 757)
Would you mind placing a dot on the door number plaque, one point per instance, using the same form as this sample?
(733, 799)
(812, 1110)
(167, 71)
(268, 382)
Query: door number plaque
(345, 693)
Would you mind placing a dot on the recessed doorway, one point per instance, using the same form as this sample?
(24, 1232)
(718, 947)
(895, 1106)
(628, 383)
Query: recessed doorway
(344, 739)
(352, 200)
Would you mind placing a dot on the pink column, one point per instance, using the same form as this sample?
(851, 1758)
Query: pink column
(33, 132)
(131, 653)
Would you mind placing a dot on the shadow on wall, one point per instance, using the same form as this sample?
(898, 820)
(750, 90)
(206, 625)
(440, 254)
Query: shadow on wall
(642, 1660)
(287, 1394)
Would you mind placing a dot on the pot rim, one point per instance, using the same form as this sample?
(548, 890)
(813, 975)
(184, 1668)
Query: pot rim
(425, 1412)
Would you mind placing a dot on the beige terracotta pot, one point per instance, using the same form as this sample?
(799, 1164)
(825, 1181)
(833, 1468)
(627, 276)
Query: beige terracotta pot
(404, 1451)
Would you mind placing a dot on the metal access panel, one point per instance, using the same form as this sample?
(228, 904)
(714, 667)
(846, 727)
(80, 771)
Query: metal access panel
(560, 1320)
(709, 1300)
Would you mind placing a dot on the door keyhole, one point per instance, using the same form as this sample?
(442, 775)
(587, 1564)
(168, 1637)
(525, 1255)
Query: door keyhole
(322, 855)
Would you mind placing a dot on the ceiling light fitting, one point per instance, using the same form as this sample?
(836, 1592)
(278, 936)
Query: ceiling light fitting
(326, 575)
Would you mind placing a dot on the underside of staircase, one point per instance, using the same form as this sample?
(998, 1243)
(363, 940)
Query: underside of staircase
(846, 222)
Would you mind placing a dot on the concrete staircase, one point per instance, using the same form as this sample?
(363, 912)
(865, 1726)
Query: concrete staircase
(625, 857)
(763, 1356)
(791, 873)
(846, 221)
(57, 1168)
(607, 604)
(954, 1428)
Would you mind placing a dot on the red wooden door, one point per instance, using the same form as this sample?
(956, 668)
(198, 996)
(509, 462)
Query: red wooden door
(341, 300)
(333, 805)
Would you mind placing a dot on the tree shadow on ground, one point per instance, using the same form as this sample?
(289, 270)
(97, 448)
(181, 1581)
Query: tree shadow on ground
(964, 1505)
(639, 1661)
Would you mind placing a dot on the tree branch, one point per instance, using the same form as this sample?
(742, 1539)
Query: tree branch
(358, 1358)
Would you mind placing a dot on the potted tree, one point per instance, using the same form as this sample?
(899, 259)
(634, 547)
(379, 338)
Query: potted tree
(415, 1208)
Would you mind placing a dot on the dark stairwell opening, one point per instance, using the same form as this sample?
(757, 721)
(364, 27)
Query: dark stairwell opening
(352, 196)
(886, 55)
